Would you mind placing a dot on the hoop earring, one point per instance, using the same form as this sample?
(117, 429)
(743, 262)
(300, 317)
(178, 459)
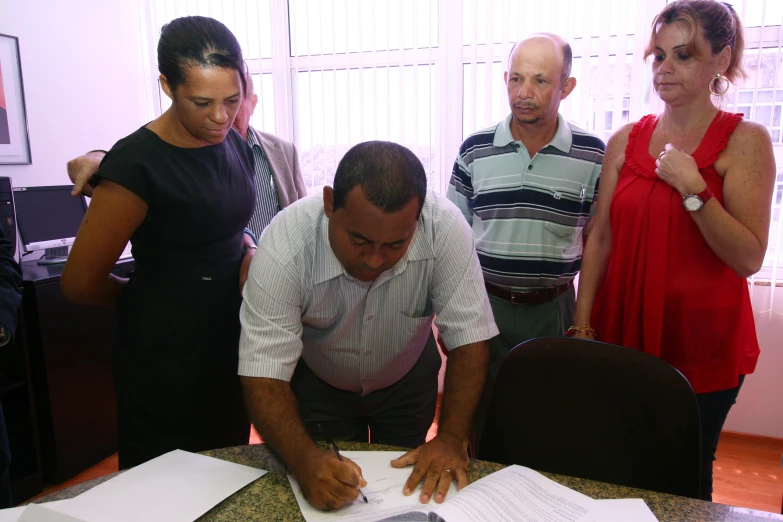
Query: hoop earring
(715, 82)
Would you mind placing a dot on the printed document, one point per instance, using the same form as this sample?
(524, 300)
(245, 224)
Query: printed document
(514, 493)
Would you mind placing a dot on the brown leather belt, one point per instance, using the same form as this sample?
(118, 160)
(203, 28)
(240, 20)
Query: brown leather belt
(529, 298)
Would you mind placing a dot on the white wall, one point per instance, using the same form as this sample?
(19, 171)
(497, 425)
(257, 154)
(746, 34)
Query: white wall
(83, 79)
(759, 408)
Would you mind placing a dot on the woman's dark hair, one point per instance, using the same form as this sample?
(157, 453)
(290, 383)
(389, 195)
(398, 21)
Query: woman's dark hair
(719, 23)
(390, 175)
(193, 41)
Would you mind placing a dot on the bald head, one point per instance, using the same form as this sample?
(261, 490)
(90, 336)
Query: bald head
(246, 108)
(249, 83)
(545, 45)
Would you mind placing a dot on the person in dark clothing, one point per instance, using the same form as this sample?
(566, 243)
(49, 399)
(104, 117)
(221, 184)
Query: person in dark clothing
(10, 298)
(181, 190)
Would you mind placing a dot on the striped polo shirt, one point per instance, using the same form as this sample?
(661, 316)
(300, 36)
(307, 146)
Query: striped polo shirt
(267, 204)
(527, 214)
(299, 301)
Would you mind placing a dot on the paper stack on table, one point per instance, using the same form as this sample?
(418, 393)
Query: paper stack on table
(176, 487)
(499, 497)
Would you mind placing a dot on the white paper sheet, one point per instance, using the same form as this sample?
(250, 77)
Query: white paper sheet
(498, 497)
(176, 487)
(383, 491)
(11, 514)
(625, 509)
(14, 514)
(506, 494)
(38, 513)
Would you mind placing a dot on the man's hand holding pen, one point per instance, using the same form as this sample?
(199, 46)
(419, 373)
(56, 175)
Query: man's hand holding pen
(328, 482)
(336, 451)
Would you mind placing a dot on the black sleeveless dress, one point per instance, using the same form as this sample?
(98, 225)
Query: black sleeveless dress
(176, 355)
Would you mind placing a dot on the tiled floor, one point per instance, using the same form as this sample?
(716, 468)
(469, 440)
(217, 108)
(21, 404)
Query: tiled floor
(748, 471)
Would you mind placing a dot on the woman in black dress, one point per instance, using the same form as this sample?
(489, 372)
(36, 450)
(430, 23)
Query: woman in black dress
(181, 189)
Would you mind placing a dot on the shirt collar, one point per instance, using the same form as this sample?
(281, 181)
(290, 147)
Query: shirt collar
(420, 248)
(252, 139)
(562, 139)
(327, 266)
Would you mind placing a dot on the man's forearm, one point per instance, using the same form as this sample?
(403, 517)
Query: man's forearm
(275, 415)
(466, 372)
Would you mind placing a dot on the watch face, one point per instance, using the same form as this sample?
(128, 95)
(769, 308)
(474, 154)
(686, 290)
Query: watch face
(692, 202)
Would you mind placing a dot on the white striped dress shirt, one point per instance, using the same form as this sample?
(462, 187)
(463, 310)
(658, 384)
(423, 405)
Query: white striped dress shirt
(360, 337)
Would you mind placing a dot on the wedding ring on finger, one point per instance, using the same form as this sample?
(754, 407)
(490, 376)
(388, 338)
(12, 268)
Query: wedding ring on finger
(660, 156)
(447, 471)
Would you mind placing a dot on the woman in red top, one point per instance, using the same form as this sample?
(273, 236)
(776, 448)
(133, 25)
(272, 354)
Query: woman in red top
(683, 219)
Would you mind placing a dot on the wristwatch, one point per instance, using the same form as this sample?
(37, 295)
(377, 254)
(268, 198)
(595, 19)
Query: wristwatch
(694, 202)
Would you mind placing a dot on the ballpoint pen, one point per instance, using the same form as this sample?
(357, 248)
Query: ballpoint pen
(331, 443)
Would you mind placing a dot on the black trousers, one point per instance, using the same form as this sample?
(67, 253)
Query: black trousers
(399, 415)
(713, 409)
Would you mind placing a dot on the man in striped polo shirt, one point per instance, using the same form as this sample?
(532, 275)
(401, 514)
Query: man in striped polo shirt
(526, 186)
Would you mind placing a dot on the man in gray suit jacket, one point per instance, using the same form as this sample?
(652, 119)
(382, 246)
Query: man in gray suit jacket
(278, 175)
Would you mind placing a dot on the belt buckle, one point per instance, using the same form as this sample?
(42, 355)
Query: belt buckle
(514, 298)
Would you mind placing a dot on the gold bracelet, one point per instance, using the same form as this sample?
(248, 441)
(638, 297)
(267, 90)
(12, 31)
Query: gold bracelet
(582, 329)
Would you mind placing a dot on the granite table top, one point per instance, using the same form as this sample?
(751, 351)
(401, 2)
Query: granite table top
(270, 498)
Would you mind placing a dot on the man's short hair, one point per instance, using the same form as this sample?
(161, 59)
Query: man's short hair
(568, 59)
(390, 176)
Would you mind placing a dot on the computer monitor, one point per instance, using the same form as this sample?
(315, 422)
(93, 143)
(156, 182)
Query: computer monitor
(48, 219)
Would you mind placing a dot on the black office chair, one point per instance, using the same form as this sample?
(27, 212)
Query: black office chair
(597, 411)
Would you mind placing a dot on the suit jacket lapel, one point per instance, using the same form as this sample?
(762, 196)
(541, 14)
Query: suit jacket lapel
(277, 164)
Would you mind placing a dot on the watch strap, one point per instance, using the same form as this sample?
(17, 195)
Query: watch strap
(705, 195)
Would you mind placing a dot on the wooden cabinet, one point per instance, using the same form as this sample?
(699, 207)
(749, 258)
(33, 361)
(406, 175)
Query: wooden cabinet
(70, 351)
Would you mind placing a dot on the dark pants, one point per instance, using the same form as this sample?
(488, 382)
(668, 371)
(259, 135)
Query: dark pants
(713, 409)
(399, 415)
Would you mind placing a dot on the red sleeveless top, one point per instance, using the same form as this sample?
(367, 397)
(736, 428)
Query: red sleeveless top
(666, 292)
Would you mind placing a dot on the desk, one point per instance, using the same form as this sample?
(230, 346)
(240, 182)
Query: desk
(70, 353)
(270, 498)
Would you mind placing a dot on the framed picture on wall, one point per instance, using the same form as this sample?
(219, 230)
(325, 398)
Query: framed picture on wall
(14, 138)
